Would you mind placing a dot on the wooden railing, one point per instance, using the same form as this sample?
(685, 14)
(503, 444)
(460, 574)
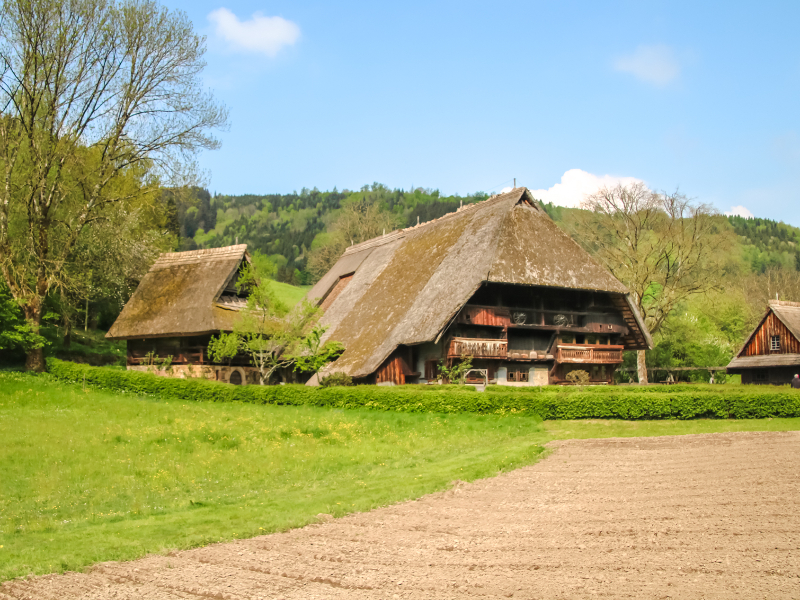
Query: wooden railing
(195, 355)
(594, 354)
(477, 348)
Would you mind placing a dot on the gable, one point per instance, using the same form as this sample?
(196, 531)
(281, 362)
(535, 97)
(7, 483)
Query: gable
(759, 342)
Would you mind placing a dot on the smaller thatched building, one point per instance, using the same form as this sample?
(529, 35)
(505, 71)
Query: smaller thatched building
(771, 353)
(184, 299)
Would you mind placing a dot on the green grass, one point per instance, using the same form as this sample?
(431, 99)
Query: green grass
(89, 475)
(289, 294)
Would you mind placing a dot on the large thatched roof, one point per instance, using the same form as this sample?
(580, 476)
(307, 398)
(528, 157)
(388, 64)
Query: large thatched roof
(180, 295)
(407, 286)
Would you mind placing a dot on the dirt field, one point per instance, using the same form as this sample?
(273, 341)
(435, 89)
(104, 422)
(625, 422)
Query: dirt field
(705, 516)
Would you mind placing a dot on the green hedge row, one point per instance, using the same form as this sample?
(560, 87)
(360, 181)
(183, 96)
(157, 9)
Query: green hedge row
(549, 403)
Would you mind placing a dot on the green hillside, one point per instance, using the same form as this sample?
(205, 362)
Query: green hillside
(289, 294)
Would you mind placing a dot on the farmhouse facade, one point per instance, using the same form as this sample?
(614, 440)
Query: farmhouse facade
(771, 354)
(498, 281)
(184, 299)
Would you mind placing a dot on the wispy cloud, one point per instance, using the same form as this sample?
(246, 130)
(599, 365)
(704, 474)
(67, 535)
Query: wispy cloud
(739, 211)
(652, 64)
(259, 34)
(576, 184)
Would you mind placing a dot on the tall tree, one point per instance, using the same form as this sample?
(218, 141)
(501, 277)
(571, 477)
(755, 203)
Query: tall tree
(662, 246)
(89, 89)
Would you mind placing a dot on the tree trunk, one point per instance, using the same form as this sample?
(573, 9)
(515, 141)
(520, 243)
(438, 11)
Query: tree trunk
(67, 330)
(34, 361)
(641, 366)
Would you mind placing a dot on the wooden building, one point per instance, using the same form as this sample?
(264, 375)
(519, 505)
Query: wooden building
(771, 354)
(496, 280)
(184, 299)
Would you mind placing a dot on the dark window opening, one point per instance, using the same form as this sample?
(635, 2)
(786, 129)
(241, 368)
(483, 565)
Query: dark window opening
(760, 375)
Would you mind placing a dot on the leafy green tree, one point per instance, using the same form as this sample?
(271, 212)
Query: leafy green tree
(456, 371)
(313, 354)
(15, 332)
(90, 90)
(270, 335)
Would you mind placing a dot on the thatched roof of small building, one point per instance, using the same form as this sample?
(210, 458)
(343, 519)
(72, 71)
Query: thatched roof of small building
(181, 295)
(407, 286)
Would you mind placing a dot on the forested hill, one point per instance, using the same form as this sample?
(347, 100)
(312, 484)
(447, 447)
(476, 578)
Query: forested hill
(288, 226)
(767, 244)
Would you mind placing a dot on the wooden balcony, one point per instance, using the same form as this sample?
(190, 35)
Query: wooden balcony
(183, 356)
(589, 354)
(477, 348)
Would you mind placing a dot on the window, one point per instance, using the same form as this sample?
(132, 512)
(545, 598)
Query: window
(517, 376)
(775, 342)
(760, 375)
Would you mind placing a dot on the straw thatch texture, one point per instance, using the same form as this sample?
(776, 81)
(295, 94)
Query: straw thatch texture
(178, 296)
(408, 285)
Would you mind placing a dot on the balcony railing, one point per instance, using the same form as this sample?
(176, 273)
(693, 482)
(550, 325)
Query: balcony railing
(591, 354)
(477, 348)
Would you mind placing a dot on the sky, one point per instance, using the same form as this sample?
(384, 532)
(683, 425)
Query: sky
(700, 97)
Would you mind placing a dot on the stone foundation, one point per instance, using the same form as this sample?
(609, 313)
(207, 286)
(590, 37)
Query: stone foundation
(248, 375)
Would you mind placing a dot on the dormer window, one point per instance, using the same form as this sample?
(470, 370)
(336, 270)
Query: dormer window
(775, 343)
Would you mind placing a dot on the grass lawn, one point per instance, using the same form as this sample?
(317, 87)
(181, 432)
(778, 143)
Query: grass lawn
(289, 294)
(88, 476)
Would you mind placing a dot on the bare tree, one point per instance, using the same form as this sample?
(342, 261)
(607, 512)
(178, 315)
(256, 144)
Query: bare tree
(90, 90)
(661, 246)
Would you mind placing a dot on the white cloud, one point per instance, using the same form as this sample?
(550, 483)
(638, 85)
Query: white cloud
(576, 185)
(739, 211)
(261, 34)
(652, 64)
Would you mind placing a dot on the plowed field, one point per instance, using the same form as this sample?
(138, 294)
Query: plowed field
(698, 516)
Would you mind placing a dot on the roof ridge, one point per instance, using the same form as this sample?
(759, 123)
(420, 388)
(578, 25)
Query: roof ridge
(397, 233)
(784, 303)
(189, 256)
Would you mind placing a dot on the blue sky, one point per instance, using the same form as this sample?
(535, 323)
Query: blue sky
(464, 97)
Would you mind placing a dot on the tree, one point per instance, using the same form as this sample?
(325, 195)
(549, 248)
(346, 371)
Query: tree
(270, 335)
(663, 247)
(15, 332)
(90, 91)
(313, 354)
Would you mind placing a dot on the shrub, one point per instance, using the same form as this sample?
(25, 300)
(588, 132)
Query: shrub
(601, 402)
(335, 379)
(578, 377)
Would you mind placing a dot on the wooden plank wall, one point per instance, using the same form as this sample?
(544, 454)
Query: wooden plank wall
(759, 344)
(395, 368)
(485, 315)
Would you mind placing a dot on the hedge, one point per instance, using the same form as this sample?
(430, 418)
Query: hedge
(617, 402)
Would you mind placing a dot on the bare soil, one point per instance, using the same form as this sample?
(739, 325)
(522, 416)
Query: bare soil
(699, 516)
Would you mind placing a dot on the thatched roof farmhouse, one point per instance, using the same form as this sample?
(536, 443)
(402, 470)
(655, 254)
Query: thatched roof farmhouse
(497, 280)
